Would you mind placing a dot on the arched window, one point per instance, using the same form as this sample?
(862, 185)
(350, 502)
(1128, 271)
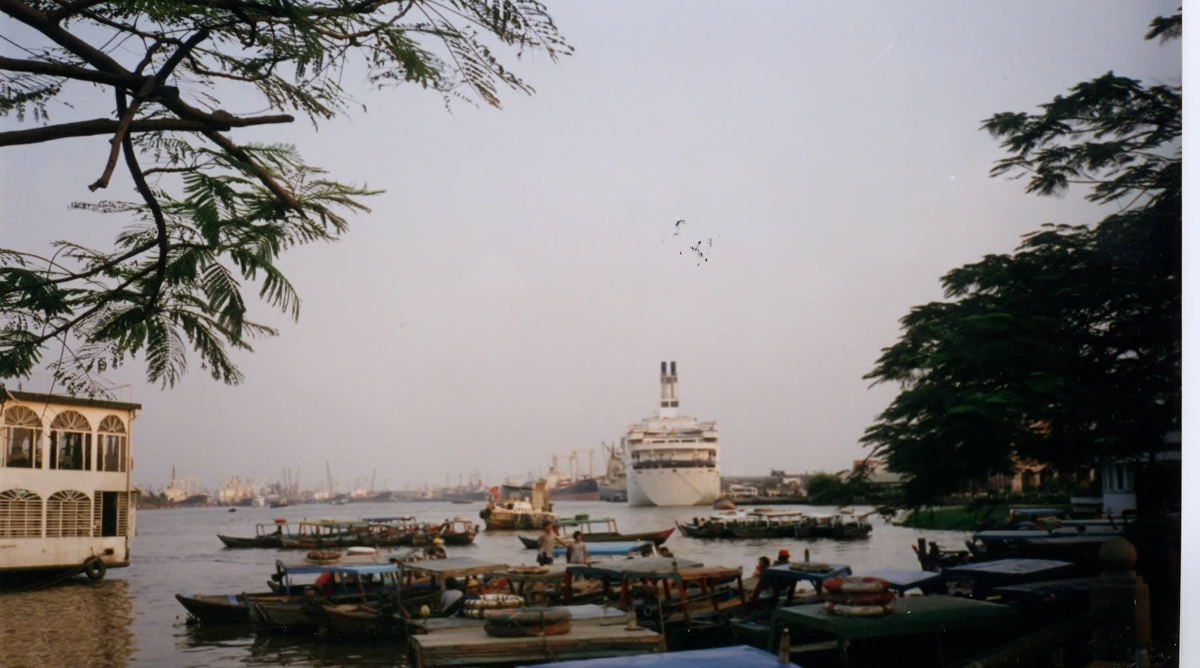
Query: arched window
(68, 514)
(71, 442)
(112, 453)
(20, 514)
(22, 439)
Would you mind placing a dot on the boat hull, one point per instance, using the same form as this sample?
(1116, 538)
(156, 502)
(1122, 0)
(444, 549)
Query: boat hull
(685, 486)
(656, 537)
(583, 490)
(234, 542)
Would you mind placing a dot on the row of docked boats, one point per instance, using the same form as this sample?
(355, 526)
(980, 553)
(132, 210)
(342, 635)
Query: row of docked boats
(522, 614)
(368, 532)
(771, 523)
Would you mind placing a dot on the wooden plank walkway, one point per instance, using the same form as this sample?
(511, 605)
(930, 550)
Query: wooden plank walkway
(471, 646)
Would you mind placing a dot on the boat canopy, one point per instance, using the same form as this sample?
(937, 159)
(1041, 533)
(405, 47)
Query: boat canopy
(349, 569)
(389, 520)
(649, 567)
(584, 521)
(455, 567)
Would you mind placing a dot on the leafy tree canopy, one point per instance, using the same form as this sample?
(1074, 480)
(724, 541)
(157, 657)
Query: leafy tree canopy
(1068, 350)
(211, 213)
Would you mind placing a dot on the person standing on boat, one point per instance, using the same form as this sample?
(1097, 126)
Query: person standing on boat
(546, 543)
(783, 559)
(577, 550)
(436, 551)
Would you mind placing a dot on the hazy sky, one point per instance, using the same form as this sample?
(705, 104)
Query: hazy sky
(511, 295)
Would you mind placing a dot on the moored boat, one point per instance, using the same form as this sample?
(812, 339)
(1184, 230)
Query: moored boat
(265, 536)
(507, 514)
(601, 530)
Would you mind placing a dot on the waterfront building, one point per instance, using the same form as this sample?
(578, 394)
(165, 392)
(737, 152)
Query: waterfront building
(66, 495)
(672, 459)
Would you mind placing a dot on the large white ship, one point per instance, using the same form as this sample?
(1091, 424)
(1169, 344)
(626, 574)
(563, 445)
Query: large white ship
(672, 460)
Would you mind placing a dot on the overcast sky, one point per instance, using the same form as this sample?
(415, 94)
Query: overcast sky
(511, 295)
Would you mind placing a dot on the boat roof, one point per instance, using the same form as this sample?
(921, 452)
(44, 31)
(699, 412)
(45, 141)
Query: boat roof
(385, 520)
(333, 523)
(581, 522)
(455, 566)
(612, 548)
(647, 567)
(357, 569)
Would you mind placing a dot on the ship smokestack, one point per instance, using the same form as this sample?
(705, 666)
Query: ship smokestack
(668, 402)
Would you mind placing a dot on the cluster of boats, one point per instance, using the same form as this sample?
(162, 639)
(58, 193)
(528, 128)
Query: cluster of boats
(368, 532)
(524, 614)
(771, 523)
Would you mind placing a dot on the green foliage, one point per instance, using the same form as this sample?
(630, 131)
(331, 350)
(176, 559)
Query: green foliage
(825, 488)
(1069, 349)
(214, 216)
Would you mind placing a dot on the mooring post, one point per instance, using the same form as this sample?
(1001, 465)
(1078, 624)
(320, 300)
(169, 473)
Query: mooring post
(1120, 608)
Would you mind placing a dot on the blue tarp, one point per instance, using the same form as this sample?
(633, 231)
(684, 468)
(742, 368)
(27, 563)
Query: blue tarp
(362, 569)
(742, 656)
(607, 549)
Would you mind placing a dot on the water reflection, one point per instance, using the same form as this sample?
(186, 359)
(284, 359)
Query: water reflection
(283, 651)
(79, 623)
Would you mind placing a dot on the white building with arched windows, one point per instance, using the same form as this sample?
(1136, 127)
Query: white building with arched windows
(66, 494)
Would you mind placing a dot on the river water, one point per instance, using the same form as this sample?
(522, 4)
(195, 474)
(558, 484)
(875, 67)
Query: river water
(131, 618)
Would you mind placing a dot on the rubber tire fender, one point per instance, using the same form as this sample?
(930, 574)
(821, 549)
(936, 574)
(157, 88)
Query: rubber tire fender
(95, 568)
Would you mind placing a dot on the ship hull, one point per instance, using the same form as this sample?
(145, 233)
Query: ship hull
(673, 487)
(581, 490)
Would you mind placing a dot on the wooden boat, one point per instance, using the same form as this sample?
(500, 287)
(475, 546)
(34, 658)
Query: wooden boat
(669, 595)
(425, 581)
(506, 514)
(769, 523)
(297, 608)
(600, 530)
(265, 536)
(458, 531)
(326, 534)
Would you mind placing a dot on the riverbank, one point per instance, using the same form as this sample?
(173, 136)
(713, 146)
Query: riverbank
(956, 518)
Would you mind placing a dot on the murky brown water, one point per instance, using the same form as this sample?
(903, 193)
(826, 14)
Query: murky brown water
(132, 618)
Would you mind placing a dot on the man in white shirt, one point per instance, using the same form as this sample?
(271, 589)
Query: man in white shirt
(451, 594)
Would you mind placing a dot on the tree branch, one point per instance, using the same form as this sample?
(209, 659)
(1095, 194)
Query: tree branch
(39, 21)
(121, 133)
(65, 71)
(103, 126)
(160, 222)
(262, 174)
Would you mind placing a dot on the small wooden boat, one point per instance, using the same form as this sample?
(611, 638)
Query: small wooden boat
(265, 536)
(458, 531)
(323, 556)
(218, 609)
(601, 530)
(506, 513)
(297, 608)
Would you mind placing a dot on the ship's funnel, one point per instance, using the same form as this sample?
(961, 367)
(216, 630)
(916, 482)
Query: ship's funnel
(668, 401)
